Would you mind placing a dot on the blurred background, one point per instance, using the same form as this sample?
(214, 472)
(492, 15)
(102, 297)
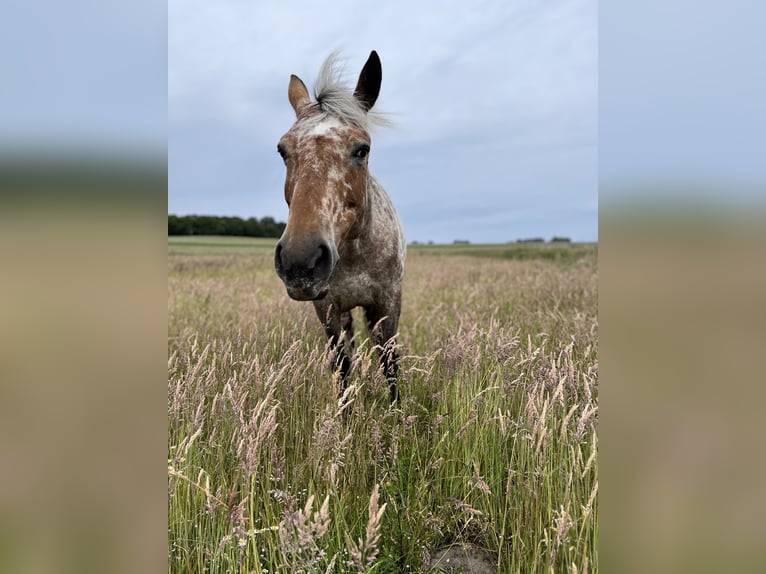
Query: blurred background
(83, 180)
(682, 281)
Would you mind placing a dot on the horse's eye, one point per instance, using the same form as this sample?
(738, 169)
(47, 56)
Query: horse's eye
(282, 151)
(362, 151)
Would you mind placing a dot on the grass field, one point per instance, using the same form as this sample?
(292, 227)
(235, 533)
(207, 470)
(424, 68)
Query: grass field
(492, 450)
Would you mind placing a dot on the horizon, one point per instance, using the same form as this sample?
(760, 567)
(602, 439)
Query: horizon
(457, 240)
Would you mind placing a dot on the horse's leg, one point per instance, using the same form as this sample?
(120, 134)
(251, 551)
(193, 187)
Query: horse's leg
(383, 321)
(347, 328)
(339, 329)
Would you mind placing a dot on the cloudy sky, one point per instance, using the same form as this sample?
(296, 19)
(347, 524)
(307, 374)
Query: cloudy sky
(494, 104)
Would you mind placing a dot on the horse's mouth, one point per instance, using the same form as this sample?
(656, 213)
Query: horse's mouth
(306, 293)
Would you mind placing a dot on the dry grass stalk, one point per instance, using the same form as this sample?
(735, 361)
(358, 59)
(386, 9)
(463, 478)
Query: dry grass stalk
(471, 419)
(565, 422)
(172, 471)
(299, 534)
(587, 510)
(592, 457)
(255, 429)
(329, 443)
(465, 507)
(588, 410)
(363, 552)
(478, 481)
(562, 523)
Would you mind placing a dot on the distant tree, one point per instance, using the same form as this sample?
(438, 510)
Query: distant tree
(560, 240)
(461, 242)
(233, 226)
(178, 225)
(531, 240)
(270, 227)
(218, 225)
(193, 222)
(253, 227)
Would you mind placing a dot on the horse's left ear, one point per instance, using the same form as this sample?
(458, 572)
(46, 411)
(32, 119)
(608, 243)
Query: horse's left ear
(368, 86)
(297, 94)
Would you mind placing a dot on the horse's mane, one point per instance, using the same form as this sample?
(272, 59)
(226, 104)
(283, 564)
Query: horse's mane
(335, 99)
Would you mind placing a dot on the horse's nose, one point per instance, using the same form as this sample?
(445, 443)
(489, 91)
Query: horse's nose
(313, 262)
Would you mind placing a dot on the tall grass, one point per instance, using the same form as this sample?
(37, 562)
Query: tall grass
(493, 446)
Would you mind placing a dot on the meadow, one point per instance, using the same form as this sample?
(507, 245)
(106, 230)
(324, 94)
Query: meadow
(492, 451)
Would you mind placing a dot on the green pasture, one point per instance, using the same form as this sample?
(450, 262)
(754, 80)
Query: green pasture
(558, 251)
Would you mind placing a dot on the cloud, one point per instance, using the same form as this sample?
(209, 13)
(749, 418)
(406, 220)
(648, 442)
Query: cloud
(490, 96)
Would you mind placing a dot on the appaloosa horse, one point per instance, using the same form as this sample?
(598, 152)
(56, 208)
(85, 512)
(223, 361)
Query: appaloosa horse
(344, 245)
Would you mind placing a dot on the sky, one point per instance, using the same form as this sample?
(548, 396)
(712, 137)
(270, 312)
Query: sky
(494, 105)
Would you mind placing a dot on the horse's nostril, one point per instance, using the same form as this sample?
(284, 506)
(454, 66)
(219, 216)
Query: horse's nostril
(321, 265)
(278, 258)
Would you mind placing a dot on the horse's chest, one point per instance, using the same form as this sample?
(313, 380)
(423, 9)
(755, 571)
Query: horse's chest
(352, 289)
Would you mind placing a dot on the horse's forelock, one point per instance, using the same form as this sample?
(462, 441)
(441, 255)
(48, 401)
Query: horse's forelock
(334, 98)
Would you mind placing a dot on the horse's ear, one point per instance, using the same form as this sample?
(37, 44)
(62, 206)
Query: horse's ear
(368, 86)
(297, 94)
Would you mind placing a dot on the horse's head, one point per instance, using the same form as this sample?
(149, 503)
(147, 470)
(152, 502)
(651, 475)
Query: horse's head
(325, 153)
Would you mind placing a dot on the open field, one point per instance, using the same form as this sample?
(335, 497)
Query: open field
(493, 447)
(196, 245)
(207, 244)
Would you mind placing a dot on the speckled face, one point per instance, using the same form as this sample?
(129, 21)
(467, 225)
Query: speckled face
(326, 178)
(325, 189)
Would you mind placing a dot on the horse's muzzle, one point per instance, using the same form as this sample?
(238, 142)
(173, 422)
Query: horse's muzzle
(306, 293)
(305, 271)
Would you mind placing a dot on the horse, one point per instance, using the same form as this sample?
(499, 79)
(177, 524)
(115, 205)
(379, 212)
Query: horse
(343, 246)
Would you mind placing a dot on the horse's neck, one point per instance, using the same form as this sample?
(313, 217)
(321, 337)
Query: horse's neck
(381, 231)
(383, 219)
(376, 198)
(375, 191)
(373, 212)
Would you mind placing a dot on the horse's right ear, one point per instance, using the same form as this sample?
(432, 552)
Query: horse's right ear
(297, 94)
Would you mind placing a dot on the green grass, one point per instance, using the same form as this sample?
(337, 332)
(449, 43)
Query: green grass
(493, 445)
(563, 251)
(216, 244)
(553, 251)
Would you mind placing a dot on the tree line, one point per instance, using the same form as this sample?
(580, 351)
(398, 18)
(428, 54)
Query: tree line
(222, 225)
